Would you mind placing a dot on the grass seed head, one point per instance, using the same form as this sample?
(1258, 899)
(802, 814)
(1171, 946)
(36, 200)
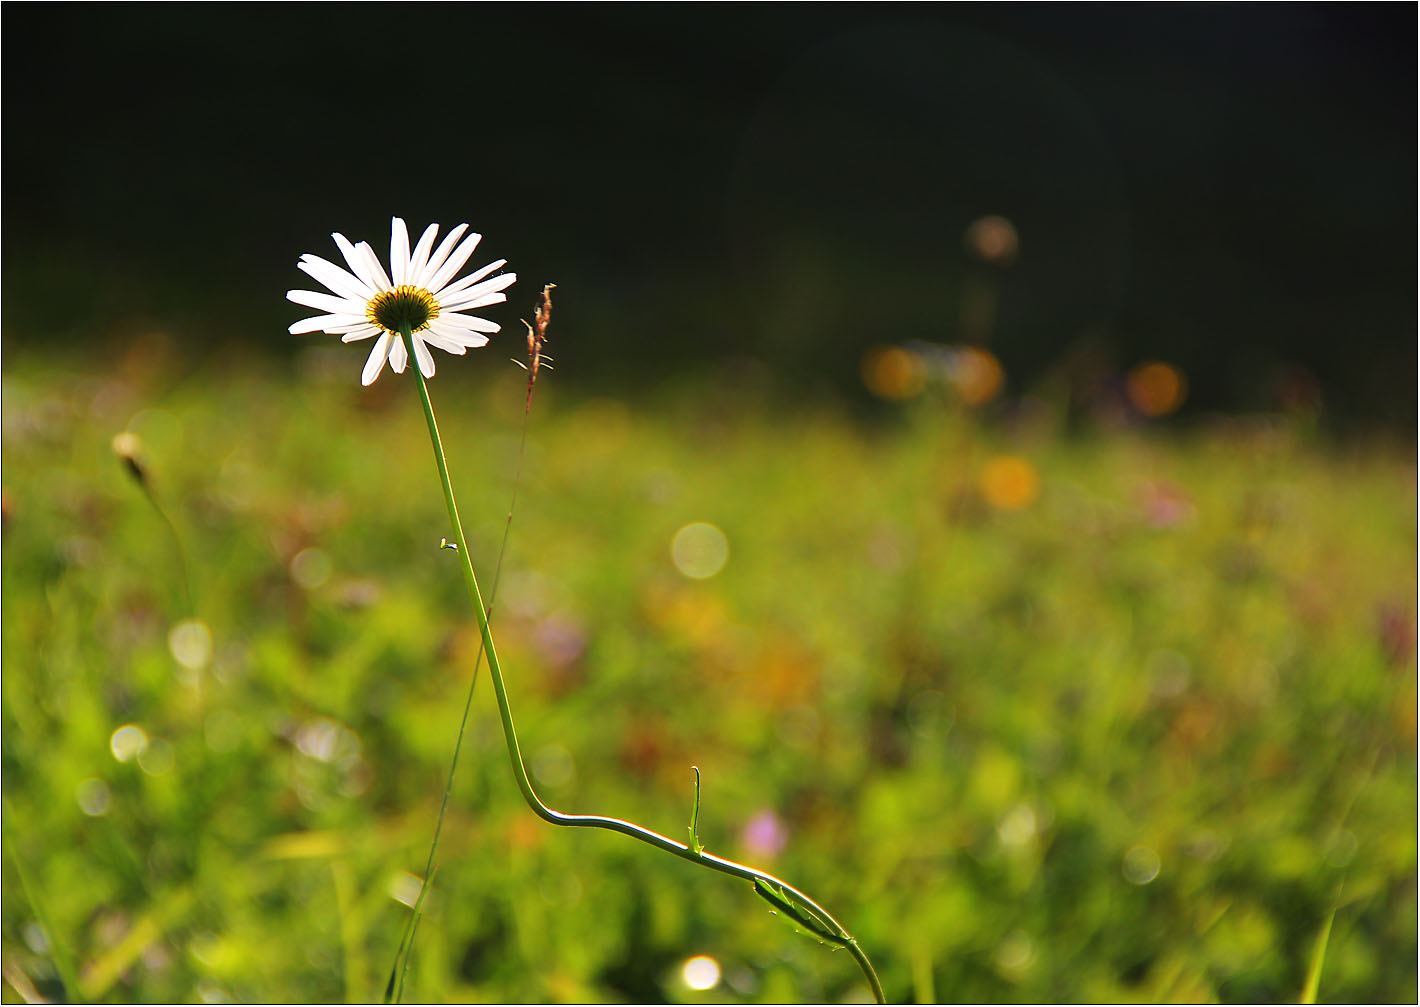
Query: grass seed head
(127, 446)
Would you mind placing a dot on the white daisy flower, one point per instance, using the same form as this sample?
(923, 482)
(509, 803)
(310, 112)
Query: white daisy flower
(419, 291)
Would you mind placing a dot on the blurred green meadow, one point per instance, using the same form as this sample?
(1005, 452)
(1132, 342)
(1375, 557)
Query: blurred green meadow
(1041, 713)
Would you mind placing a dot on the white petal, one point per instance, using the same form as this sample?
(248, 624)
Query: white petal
(456, 335)
(474, 277)
(453, 298)
(399, 251)
(447, 345)
(372, 263)
(327, 302)
(323, 323)
(363, 332)
(398, 356)
(304, 326)
(455, 262)
(343, 283)
(440, 254)
(376, 361)
(357, 261)
(472, 322)
(460, 304)
(422, 354)
(420, 258)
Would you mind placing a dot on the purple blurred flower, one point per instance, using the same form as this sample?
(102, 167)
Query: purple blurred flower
(1166, 504)
(764, 835)
(559, 640)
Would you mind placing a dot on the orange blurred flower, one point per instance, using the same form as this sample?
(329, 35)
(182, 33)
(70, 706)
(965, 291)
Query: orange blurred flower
(1156, 388)
(977, 375)
(891, 372)
(1009, 482)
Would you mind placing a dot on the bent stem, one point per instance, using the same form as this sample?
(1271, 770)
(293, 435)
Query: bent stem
(793, 903)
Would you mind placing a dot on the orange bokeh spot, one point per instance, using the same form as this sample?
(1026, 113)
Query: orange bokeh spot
(1156, 389)
(1009, 482)
(993, 239)
(977, 376)
(891, 372)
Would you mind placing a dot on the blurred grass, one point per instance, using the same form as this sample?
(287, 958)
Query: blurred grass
(1122, 742)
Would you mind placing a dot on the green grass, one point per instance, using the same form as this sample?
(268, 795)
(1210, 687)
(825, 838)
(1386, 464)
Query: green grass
(1124, 743)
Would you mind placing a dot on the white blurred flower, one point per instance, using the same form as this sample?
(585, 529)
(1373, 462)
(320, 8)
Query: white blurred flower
(418, 291)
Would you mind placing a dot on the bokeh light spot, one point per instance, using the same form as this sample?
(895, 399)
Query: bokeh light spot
(310, 568)
(1009, 482)
(993, 240)
(128, 742)
(1141, 865)
(1015, 953)
(700, 550)
(701, 972)
(1156, 389)
(190, 642)
(976, 375)
(325, 740)
(1018, 827)
(891, 372)
(93, 797)
(157, 758)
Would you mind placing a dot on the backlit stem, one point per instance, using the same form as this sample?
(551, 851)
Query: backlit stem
(833, 933)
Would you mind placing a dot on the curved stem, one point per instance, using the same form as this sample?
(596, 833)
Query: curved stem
(394, 988)
(834, 931)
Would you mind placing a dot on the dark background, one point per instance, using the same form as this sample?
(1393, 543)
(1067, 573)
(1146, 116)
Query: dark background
(1230, 188)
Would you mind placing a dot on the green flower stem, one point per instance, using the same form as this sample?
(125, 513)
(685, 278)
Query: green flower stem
(139, 474)
(830, 931)
(183, 564)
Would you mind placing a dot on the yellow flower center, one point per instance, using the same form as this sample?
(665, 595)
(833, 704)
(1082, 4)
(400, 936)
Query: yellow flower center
(404, 305)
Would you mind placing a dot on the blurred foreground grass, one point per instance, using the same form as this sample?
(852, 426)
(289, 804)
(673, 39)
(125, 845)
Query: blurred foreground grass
(1118, 717)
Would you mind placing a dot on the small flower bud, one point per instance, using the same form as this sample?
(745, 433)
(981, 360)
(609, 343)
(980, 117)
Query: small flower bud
(127, 445)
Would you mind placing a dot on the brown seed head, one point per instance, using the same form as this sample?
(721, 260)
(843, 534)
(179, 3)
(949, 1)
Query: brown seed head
(537, 336)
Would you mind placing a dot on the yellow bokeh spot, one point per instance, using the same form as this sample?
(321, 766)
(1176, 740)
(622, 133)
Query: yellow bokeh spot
(978, 376)
(700, 550)
(1156, 389)
(891, 372)
(1009, 482)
